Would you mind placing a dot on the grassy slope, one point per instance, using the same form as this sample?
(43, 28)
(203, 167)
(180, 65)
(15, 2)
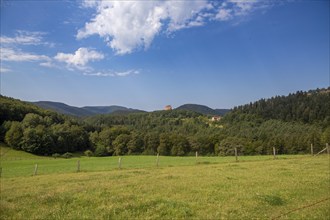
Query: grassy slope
(256, 187)
(7, 153)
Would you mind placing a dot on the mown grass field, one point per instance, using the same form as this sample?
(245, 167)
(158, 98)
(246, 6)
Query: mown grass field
(181, 188)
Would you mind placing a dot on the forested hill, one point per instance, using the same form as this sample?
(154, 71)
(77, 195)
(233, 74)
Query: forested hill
(291, 124)
(202, 109)
(26, 127)
(15, 110)
(312, 107)
(63, 108)
(118, 110)
(84, 111)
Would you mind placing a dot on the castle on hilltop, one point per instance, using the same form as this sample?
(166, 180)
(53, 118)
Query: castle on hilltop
(168, 107)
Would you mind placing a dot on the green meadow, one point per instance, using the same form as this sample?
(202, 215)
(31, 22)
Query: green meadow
(256, 187)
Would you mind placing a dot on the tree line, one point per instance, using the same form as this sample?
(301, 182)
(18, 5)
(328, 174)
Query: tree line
(312, 107)
(254, 129)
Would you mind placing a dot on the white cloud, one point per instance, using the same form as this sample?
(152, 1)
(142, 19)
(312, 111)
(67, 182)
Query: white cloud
(80, 58)
(126, 73)
(231, 9)
(224, 14)
(9, 54)
(127, 25)
(90, 3)
(4, 70)
(183, 13)
(48, 64)
(130, 25)
(112, 73)
(243, 7)
(11, 47)
(26, 38)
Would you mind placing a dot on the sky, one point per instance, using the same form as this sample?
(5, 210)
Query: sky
(152, 53)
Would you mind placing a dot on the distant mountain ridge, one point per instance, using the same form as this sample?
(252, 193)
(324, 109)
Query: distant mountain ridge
(205, 110)
(84, 111)
(115, 109)
(62, 108)
(110, 109)
(104, 109)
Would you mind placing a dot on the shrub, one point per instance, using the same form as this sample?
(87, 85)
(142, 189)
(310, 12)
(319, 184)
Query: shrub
(67, 155)
(56, 155)
(88, 153)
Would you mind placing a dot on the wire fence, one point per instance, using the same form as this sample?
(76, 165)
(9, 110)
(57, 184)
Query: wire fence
(301, 208)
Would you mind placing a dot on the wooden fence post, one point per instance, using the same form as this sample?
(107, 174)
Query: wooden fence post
(274, 152)
(312, 150)
(78, 166)
(157, 161)
(35, 169)
(119, 163)
(236, 154)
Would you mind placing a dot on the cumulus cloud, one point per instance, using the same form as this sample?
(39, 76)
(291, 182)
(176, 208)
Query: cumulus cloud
(130, 25)
(79, 61)
(80, 58)
(127, 25)
(9, 54)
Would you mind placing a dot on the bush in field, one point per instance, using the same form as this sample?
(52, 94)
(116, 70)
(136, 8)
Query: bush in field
(88, 153)
(56, 155)
(67, 155)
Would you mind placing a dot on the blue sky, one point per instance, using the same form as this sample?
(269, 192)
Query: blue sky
(147, 54)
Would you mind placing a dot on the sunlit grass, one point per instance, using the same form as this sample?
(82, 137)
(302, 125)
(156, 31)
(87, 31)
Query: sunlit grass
(180, 188)
(18, 163)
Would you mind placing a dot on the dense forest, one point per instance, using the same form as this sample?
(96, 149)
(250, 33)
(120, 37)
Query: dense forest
(290, 123)
(27, 127)
(311, 107)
